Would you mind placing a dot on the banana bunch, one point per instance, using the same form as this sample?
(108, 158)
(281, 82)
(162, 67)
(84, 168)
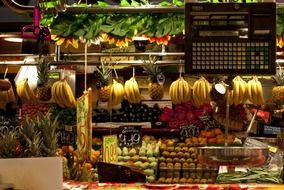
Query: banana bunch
(62, 94)
(239, 90)
(201, 91)
(255, 92)
(7, 97)
(116, 94)
(25, 92)
(180, 91)
(131, 90)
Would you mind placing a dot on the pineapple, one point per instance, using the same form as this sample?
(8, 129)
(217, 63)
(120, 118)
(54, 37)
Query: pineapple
(278, 91)
(155, 89)
(43, 90)
(8, 145)
(48, 128)
(103, 78)
(33, 142)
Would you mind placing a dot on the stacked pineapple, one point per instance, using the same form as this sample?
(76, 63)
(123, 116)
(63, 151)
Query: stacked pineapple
(37, 137)
(43, 90)
(103, 86)
(278, 91)
(152, 69)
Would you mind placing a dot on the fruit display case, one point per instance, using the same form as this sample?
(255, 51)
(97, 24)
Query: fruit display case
(176, 165)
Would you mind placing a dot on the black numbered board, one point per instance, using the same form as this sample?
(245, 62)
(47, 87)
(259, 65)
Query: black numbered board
(271, 130)
(130, 136)
(67, 135)
(188, 131)
(230, 38)
(208, 122)
(9, 124)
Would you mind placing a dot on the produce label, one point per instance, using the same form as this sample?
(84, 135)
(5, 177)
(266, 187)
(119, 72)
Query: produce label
(208, 122)
(9, 124)
(109, 149)
(84, 124)
(188, 131)
(67, 135)
(130, 136)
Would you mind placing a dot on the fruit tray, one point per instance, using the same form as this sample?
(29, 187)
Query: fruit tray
(232, 156)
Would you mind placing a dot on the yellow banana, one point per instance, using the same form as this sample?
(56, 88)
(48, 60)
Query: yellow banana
(136, 90)
(186, 88)
(236, 92)
(61, 94)
(32, 96)
(172, 92)
(249, 91)
(111, 97)
(180, 90)
(195, 93)
(259, 92)
(202, 90)
(208, 92)
(70, 95)
(130, 95)
(57, 94)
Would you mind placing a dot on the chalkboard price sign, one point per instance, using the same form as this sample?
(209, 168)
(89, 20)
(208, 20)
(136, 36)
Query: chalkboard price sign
(67, 135)
(188, 131)
(208, 122)
(9, 124)
(129, 136)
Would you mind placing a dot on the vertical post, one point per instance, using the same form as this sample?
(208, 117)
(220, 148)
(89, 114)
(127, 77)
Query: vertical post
(228, 93)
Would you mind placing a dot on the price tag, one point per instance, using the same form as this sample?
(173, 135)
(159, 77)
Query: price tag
(129, 136)
(9, 124)
(67, 136)
(208, 122)
(109, 149)
(188, 131)
(271, 130)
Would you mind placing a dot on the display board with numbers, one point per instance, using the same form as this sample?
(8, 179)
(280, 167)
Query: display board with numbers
(230, 38)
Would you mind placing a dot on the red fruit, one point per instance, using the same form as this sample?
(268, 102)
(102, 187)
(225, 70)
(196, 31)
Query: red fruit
(182, 122)
(180, 115)
(190, 116)
(235, 187)
(174, 123)
(180, 108)
(165, 117)
(166, 109)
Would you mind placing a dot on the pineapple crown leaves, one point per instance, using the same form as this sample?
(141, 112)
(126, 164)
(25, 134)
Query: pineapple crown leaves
(279, 79)
(151, 67)
(42, 70)
(8, 143)
(32, 137)
(48, 127)
(104, 70)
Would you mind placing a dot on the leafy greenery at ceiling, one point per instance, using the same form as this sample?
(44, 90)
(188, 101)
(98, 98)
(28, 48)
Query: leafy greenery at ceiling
(90, 26)
(280, 21)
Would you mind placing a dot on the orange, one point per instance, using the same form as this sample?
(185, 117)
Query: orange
(218, 131)
(202, 133)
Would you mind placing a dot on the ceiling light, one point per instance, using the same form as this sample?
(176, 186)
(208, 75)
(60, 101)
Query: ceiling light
(13, 39)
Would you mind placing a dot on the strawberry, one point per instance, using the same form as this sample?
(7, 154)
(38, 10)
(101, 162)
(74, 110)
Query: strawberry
(174, 123)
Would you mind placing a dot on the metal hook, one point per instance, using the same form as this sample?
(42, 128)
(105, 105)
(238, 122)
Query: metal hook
(6, 70)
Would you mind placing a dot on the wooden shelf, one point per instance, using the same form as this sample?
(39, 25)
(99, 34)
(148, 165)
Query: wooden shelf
(145, 131)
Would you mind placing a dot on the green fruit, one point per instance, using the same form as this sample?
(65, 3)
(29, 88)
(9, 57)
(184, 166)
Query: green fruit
(132, 152)
(149, 172)
(125, 151)
(150, 179)
(153, 165)
(138, 164)
(119, 152)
